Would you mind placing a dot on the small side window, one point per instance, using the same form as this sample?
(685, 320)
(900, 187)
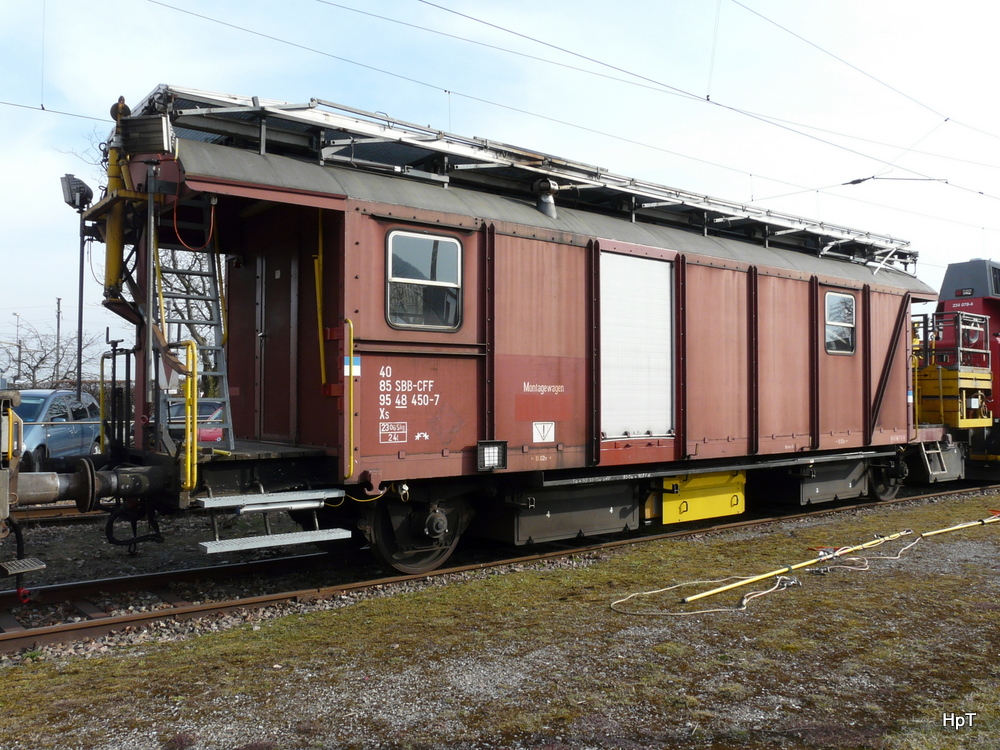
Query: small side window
(840, 326)
(424, 281)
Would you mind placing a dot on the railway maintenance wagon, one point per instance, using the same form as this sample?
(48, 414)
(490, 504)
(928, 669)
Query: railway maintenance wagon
(413, 336)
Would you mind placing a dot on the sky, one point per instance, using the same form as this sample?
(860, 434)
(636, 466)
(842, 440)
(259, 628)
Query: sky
(775, 103)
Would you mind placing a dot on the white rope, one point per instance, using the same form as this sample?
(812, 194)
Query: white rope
(782, 582)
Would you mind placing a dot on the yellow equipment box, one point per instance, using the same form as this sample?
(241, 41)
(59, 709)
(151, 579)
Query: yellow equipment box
(695, 496)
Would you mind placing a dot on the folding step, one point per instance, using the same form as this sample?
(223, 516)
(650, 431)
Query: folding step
(273, 540)
(268, 501)
(934, 454)
(24, 565)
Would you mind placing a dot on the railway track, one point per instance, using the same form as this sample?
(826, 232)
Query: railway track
(81, 610)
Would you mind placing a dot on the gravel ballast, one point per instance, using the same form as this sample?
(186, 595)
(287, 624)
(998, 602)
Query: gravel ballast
(534, 657)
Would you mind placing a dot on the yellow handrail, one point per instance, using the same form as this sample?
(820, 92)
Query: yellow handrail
(14, 425)
(189, 473)
(350, 399)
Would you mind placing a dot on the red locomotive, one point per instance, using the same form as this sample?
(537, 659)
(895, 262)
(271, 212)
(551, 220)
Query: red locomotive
(412, 336)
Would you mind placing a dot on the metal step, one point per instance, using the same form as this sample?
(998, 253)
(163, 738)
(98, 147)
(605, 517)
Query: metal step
(938, 456)
(273, 540)
(196, 321)
(183, 271)
(187, 295)
(268, 498)
(24, 565)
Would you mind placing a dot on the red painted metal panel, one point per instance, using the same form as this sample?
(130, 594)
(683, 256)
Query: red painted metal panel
(321, 416)
(419, 399)
(716, 367)
(277, 343)
(892, 422)
(841, 382)
(416, 409)
(365, 279)
(541, 354)
(241, 344)
(783, 361)
(989, 306)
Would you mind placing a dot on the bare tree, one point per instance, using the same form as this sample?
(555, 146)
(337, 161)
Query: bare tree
(43, 360)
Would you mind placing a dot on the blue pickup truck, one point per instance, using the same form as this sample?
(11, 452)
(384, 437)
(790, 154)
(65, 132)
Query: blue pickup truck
(58, 424)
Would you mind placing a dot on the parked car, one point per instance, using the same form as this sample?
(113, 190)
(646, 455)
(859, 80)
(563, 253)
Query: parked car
(209, 411)
(57, 424)
(209, 433)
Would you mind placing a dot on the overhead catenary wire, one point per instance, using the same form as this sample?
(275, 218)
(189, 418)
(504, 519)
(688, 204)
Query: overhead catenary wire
(746, 113)
(649, 86)
(977, 225)
(535, 114)
(566, 123)
(865, 73)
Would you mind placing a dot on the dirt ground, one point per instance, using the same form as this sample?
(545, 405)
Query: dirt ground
(890, 651)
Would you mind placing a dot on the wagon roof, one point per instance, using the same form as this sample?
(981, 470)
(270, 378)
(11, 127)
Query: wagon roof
(324, 148)
(219, 169)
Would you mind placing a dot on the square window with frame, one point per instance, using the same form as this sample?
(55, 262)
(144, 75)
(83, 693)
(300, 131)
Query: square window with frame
(423, 281)
(841, 336)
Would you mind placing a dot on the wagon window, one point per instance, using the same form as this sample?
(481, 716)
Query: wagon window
(424, 281)
(840, 328)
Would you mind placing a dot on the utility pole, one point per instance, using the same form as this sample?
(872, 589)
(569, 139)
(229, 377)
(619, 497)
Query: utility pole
(55, 373)
(78, 196)
(17, 379)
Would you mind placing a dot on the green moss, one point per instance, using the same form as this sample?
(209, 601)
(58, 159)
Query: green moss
(907, 634)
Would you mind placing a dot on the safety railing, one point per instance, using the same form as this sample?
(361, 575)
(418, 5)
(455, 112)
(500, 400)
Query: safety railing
(13, 428)
(952, 340)
(189, 450)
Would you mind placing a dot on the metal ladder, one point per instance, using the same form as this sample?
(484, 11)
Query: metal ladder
(933, 455)
(189, 284)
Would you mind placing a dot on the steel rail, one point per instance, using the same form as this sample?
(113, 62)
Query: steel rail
(15, 637)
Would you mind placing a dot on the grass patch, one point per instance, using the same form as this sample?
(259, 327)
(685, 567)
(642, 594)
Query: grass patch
(538, 653)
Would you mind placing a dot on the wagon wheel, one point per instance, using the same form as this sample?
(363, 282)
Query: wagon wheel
(414, 537)
(882, 486)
